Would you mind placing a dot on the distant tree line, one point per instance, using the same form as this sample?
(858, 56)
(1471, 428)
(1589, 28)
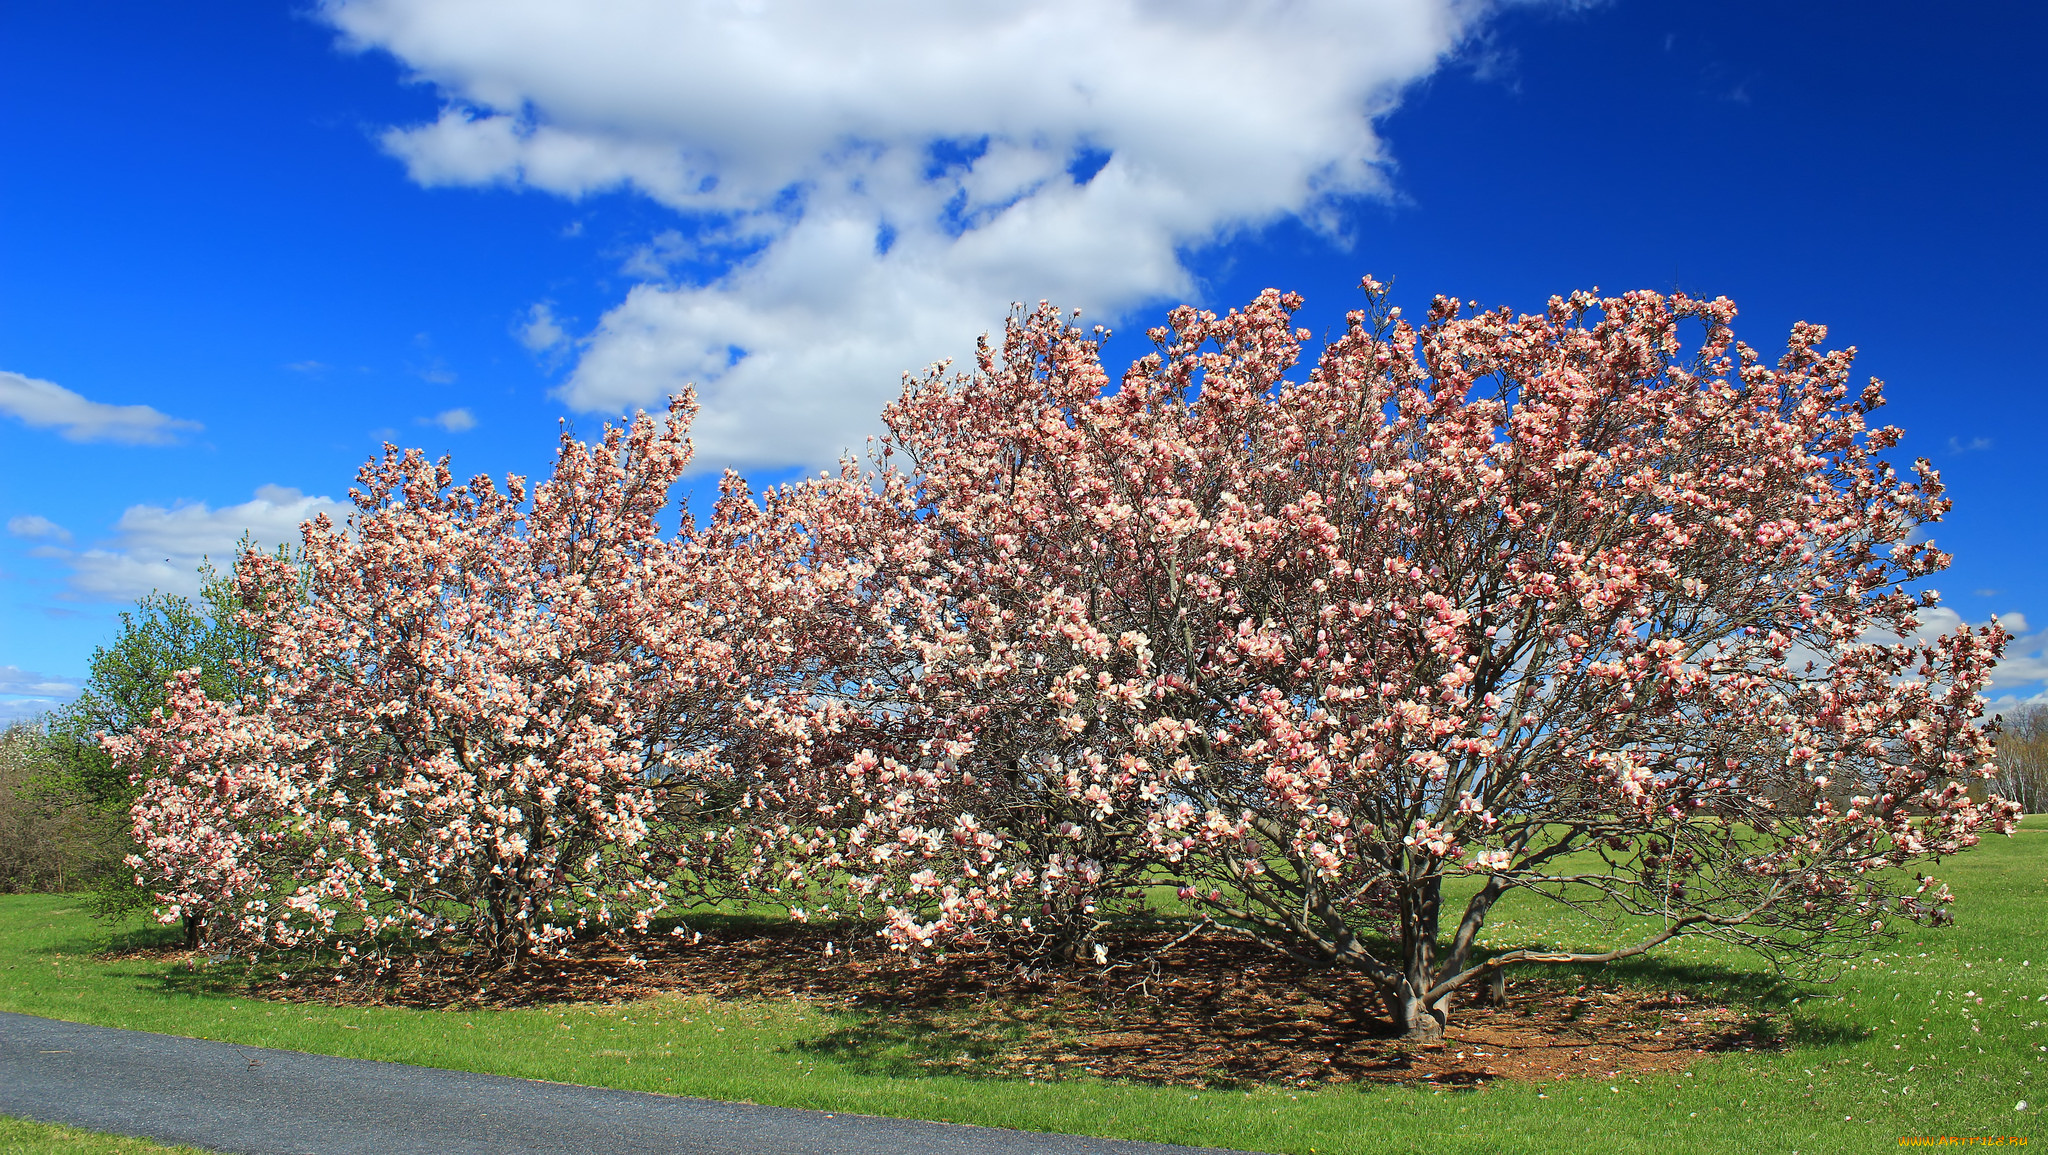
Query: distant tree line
(2023, 758)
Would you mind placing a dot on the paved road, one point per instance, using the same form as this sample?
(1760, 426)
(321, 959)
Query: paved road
(251, 1099)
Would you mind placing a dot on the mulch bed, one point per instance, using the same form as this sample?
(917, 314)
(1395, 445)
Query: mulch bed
(1213, 1012)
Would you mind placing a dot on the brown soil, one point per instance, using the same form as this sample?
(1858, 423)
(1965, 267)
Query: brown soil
(1217, 1011)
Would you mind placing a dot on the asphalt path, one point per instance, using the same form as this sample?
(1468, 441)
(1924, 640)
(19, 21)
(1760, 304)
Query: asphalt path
(252, 1099)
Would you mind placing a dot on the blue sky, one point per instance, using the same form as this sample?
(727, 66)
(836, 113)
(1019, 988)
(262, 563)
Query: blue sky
(241, 244)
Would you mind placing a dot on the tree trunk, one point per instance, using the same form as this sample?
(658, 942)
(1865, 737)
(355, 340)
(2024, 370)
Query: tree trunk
(501, 940)
(195, 932)
(1414, 1019)
(1497, 988)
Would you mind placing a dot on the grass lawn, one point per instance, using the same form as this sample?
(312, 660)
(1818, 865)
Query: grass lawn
(1944, 1034)
(23, 1137)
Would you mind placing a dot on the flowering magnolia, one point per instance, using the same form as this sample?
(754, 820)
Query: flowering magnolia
(837, 639)
(1558, 604)
(1550, 602)
(484, 719)
(215, 823)
(854, 806)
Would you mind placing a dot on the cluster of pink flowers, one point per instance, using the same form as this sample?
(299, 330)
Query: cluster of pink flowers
(1556, 602)
(478, 718)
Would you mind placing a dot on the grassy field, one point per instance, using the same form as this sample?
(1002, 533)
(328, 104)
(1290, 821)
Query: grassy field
(22, 1137)
(1944, 1034)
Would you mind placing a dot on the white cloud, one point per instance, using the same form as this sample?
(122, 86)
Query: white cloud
(15, 680)
(541, 331)
(14, 710)
(25, 694)
(48, 405)
(658, 258)
(2026, 657)
(37, 527)
(156, 547)
(453, 420)
(2009, 703)
(878, 182)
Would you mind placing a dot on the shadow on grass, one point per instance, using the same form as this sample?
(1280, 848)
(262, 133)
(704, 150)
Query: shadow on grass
(1233, 1015)
(138, 938)
(1219, 1011)
(194, 980)
(1701, 980)
(113, 946)
(1767, 995)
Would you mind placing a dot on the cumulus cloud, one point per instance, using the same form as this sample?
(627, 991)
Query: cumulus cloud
(156, 547)
(2026, 659)
(2025, 665)
(864, 188)
(24, 694)
(15, 680)
(541, 331)
(2011, 703)
(13, 710)
(47, 405)
(453, 420)
(37, 528)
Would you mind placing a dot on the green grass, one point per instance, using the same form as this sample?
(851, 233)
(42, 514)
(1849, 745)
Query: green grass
(23, 1137)
(1943, 1034)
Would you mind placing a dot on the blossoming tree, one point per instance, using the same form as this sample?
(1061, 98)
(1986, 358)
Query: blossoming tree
(215, 822)
(1542, 604)
(1593, 606)
(481, 722)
